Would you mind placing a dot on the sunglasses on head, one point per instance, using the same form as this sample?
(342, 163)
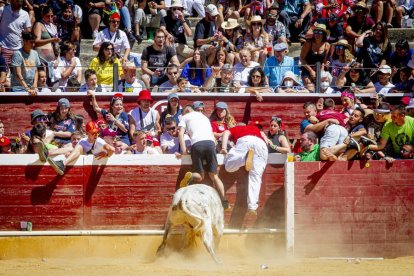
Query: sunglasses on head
(277, 119)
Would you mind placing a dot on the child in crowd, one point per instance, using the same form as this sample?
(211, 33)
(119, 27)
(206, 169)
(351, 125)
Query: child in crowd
(91, 82)
(42, 82)
(144, 144)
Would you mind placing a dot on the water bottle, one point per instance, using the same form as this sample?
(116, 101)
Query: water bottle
(187, 88)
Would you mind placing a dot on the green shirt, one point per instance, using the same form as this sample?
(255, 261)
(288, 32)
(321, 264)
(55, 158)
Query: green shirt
(399, 135)
(312, 155)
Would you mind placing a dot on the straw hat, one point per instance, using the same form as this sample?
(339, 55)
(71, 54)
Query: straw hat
(361, 5)
(231, 23)
(343, 42)
(176, 4)
(255, 18)
(321, 27)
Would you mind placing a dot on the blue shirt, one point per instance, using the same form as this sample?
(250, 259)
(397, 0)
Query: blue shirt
(198, 79)
(303, 125)
(275, 71)
(294, 7)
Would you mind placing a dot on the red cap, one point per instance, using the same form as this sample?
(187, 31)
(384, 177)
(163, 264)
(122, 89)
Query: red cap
(115, 16)
(92, 127)
(145, 95)
(406, 100)
(154, 141)
(4, 141)
(338, 13)
(118, 95)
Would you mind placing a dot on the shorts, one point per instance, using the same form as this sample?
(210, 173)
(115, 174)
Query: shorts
(334, 135)
(204, 152)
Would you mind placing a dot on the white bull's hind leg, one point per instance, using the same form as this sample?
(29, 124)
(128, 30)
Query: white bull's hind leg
(208, 242)
(161, 248)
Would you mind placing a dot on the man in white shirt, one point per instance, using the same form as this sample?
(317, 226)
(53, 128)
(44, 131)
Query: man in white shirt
(203, 150)
(144, 144)
(13, 21)
(242, 70)
(383, 85)
(143, 117)
(130, 83)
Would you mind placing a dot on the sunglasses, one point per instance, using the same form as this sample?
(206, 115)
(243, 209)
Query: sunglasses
(41, 119)
(114, 21)
(172, 73)
(256, 24)
(171, 128)
(273, 16)
(117, 98)
(176, 9)
(277, 119)
(359, 10)
(340, 47)
(318, 32)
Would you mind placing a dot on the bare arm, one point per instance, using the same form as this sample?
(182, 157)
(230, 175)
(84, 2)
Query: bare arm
(181, 132)
(224, 140)
(95, 105)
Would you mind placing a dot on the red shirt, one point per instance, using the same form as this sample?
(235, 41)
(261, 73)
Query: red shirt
(218, 127)
(241, 131)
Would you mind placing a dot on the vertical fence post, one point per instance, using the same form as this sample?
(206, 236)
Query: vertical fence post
(290, 208)
(318, 78)
(116, 77)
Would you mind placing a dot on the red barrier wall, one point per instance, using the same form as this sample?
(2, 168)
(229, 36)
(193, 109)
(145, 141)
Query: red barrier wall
(346, 209)
(120, 197)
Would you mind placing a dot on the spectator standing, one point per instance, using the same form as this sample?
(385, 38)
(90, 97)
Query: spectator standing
(13, 22)
(155, 59)
(250, 151)
(203, 150)
(176, 28)
(46, 37)
(143, 117)
(24, 63)
(276, 66)
(296, 16)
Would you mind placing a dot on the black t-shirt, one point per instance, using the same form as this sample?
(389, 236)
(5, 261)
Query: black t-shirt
(204, 29)
(371, 53)
(361, 83)
(359, 28)
(337, 30)
(174, 27)
(158, 59)
(3, 65)
(147, 9)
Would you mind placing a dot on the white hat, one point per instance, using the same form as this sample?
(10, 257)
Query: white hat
(212, 10)
(411, 104)
(231, 23)
(176, 4)
(385, 69)
(291, 75)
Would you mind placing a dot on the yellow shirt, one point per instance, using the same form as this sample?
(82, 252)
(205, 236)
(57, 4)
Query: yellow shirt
(105, 71)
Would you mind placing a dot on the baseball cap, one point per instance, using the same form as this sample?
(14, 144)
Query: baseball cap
(385, 69)
(405, 100)
(64, 101)
(198, 104)
(92, 128)
(280, 46)
(212, 10)
(172, 96)
(36, 113)
(221, 105)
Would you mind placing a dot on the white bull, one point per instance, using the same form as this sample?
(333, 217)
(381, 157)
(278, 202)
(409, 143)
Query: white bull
(198, 208)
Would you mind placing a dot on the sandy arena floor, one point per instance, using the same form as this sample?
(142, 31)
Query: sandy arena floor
(232, 265)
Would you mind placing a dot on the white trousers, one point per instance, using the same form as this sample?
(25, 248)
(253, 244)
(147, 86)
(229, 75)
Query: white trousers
(236, 158)
(198, 5)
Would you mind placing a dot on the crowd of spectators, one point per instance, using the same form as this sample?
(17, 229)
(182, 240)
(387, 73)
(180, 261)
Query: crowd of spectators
(345, 45)
(345, 50)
